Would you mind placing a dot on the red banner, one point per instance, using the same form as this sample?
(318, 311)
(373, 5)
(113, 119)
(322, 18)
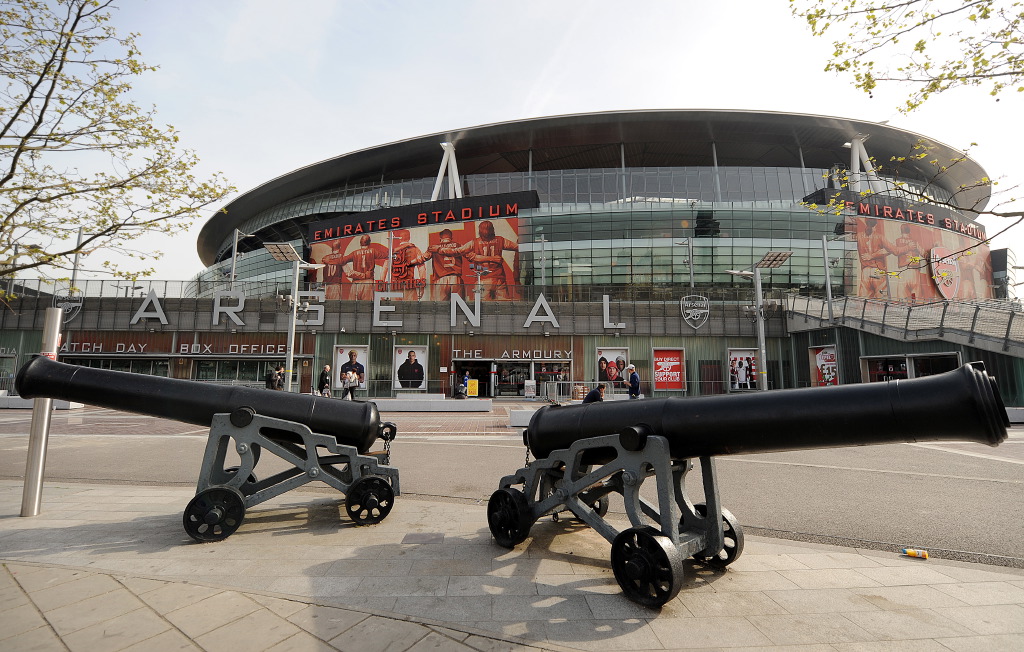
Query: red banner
(669, 369)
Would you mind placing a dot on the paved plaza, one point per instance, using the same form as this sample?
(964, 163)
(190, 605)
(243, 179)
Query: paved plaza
(110, 568)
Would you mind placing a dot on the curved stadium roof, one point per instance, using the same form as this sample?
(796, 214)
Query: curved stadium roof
(651, 138)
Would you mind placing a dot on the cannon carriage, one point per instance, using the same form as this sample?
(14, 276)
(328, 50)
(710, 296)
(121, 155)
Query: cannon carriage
(586, 453)
(320, 439)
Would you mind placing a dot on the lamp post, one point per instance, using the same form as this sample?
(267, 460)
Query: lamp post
(234, 254)
(689, 256)
(284, 251)
(771, 260)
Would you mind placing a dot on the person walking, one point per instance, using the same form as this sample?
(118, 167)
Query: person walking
(596, 395)
(634, 381)
(323, 384)
(280, 378)
(270, 380)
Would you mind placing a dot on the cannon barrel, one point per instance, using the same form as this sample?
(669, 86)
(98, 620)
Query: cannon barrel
(963, 404)
(352, 423)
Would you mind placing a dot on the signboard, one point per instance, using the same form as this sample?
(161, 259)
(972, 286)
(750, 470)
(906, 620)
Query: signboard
(743, 368)
(409, 365)
(350, 358)
(530, 388)
(474, 387)
(669, 369)
(824, 367)
(611, 366)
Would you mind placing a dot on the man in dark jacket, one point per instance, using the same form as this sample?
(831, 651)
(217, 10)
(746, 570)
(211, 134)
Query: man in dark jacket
(634, 381)
(323, 384)
(596, 395)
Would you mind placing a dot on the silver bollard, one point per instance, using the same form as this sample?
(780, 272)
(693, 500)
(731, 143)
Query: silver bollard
(32, 496)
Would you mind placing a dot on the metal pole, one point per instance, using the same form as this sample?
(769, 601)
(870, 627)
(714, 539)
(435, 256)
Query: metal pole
(291, 327)
(828, 278)
(39, 432)
(689, 258)
(74, 265)
(234, 257)
(762, 369)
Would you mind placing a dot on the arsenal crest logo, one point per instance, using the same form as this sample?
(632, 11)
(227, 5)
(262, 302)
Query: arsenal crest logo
(70, 302)
(695, 310)
(945, 272)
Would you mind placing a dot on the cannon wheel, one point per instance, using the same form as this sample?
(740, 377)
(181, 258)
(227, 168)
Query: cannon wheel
(647, 566)
(369, 500)
(508, 517)
(214, 514)
(232, 470)
(733, 539)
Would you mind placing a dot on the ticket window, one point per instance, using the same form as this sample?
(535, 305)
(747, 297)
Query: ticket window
(934, 364)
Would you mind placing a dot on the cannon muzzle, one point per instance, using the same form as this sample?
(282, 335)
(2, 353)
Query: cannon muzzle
(352, 423)
(963, 404)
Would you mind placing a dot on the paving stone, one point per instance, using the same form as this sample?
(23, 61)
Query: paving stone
(809, 629)
(280, 606)
(908, 624)
(894, 598)
(435, 642)
(834, 560)
(734, 603)
(712, 633)
(170, 641)
(117, 633)
(74, 591)
(450, 609)
(255, 631)
(173, 596)
(983, 593)
(301, 642)
(399, 586)
(913, 645)
(37, 579)
(40, 639)
(325, 622)
(90, 611)
(828, 578)
(999, 643)
(210, 613)
(989, 619)
(380, 635)
(140, 585)
(890, 576)
(18, 620)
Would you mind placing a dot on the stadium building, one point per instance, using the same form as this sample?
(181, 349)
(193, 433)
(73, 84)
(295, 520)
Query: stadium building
(717, 251)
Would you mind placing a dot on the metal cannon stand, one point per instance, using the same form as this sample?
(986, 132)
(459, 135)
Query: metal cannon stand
(647, 560)
(224, 494)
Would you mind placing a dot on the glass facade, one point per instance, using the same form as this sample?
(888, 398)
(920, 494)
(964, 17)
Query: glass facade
(611, 226)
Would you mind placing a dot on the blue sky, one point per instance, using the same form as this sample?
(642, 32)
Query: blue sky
(260, 88)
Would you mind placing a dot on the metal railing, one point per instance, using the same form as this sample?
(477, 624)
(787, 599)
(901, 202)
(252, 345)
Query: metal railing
(989, 324)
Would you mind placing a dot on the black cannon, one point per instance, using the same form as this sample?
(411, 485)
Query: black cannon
(587, 452)
(323, 439)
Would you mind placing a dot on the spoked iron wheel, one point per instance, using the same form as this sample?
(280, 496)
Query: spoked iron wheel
(232, 470)
(369, 500)
(508, 517)
(214, 514)
(647, 566)
(733, 539)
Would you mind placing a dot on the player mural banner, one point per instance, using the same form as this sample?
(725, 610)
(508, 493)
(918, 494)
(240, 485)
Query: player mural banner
(611, 366)
(743, 366)
(350, 358)
(824, 367)
(669, 369)
(911, 262)
(427, 263)
(409, 367)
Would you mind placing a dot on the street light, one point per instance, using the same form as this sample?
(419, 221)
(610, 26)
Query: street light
(771, 260)
(234, 253)
(284, 251)
(689, 256)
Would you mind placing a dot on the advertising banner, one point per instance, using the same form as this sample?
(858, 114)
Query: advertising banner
(410, 363)
(824, 367)
(743, 366)
(912, 262)
(350, 358)
(424, 263)
(611, 366)
(669, 369)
